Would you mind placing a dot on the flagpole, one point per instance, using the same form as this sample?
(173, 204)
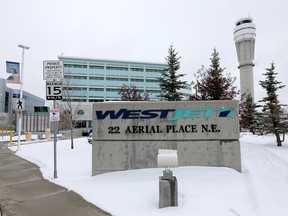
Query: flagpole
(21, 92)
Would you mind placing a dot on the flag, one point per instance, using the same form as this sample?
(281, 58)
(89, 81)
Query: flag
(14, 69)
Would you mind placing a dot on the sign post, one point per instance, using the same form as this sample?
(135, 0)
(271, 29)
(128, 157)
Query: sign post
(21, 92)
(53, 73)
(19, 107)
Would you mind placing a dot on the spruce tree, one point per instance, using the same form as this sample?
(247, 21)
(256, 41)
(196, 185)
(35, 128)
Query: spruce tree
(212, 84)
(247, 110)
(170, 82)
(272, 107)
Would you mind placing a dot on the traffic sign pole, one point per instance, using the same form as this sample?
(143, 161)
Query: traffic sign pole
(55, 142)
(53, 70)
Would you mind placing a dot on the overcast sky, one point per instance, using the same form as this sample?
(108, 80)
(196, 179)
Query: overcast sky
(142, 30)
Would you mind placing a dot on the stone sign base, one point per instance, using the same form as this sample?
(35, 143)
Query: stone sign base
(128, 135)
(111, 156)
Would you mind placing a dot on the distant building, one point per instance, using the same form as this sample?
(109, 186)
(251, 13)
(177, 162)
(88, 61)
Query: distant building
(8, 96)
(89, 80)
(244, 37)
(94, 80)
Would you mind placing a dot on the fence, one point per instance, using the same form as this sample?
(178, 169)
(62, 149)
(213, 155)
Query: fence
(34, 122)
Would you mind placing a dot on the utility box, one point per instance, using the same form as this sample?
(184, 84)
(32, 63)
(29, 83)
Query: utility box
(168, 192)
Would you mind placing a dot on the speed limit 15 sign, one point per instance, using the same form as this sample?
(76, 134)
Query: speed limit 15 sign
(53, 90)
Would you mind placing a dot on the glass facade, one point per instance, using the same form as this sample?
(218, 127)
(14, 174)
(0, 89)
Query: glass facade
(92, 80)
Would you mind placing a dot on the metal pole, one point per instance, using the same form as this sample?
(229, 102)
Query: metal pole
(55, 141)
(21, 92)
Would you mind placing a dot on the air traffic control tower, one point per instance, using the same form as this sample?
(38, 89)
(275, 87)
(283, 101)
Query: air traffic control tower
(244, 37)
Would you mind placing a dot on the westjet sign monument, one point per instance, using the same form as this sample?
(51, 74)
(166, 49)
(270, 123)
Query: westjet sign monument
(127, 135)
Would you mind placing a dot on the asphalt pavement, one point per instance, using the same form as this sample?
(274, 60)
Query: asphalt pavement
(24, 192)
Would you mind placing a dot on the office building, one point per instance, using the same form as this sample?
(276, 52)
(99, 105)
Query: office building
(94, 80)
(8, 97)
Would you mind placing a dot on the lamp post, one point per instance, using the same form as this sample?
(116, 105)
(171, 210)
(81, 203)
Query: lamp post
(196, 85)
(21, 91)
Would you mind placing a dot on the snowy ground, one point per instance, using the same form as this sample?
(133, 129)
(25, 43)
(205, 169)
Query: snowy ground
(261, 190)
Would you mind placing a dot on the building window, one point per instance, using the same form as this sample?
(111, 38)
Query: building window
(152, 80)
(80, 124)
(73, 99)
(78, 100)
(100, 67)
(80, 112)
(74, 88)
(137, 69)
(6, 106)
(112, 99)
(121, 68)
(247, 21)
(41, 109)
(75, 66)
(16, 95)
(96, 89)
(67, 112)
(74, 77)
(96, 78)
(152, 91)
(117, 78)
(112, 89)
(96, 100)
(160, 70)
(136, 80)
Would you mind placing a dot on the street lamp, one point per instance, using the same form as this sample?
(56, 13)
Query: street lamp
(21, 91)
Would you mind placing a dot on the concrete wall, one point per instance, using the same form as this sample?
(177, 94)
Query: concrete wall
(129, 135)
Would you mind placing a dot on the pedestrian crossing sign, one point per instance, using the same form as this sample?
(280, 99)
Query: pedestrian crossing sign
(18, 104)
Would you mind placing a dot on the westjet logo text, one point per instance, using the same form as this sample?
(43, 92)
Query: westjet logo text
(169, 114)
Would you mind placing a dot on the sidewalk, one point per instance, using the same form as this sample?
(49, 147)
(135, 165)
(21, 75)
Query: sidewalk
(24, 192)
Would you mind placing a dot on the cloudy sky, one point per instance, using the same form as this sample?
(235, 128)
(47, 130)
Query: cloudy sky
(142, 30)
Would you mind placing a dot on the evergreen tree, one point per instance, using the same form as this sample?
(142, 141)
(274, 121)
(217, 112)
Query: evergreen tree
(284, 119)
(247, 110)
(212, 84)
(169, 82)
(132, 93)
(272, 107)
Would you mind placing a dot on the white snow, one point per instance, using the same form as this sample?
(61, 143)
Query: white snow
(260, 190)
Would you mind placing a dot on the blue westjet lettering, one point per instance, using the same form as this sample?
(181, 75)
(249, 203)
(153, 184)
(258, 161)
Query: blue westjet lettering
(163, 113)
(134, 114)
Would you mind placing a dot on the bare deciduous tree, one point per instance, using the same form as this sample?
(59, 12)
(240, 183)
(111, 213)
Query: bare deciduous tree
(132, 93)
(73, 98)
